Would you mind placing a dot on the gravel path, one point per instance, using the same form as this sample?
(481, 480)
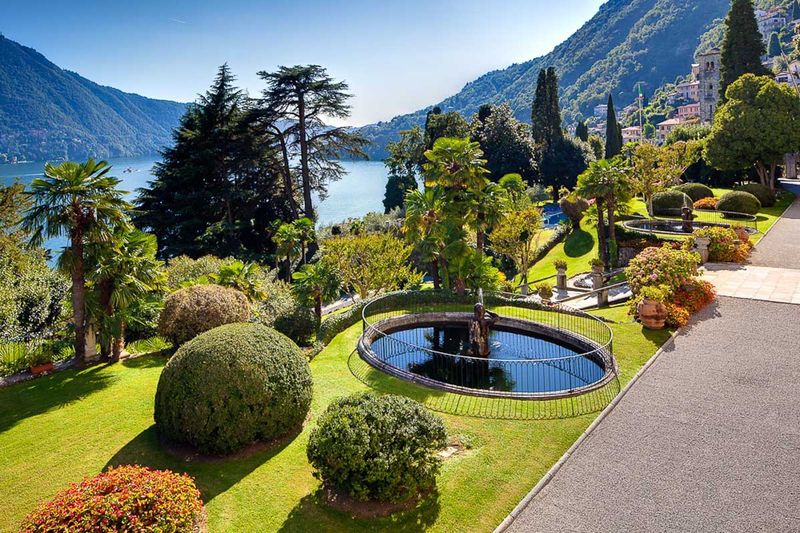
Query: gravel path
(781, 246)
(706, 440)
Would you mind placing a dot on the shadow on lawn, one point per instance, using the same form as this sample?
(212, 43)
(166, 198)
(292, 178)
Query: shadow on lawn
(310, 512)
(40, 395)
(213, 475)
(578, 243)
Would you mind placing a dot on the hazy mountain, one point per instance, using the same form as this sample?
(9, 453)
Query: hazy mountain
(626, 42)
(49, 113)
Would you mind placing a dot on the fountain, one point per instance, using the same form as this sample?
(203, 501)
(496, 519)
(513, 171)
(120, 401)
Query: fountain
(479, 327)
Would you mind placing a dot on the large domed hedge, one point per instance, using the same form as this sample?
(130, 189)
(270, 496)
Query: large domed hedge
(762, 192)
(695, 191)
(739, 202)
(191, 311)
(670, 203)
(232, 386)
(377, 447)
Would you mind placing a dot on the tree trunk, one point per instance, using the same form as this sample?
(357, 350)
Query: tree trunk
(318, 308)
(118, 344)
(305, 173)
(763, 174)
(435, 274)
(650, 206)
(612, 233)
(461, 286)
(288, 269)
(78, 295)
(601, 231)
(287, 178)
(773, 171)
(106, 288)
(480, 234)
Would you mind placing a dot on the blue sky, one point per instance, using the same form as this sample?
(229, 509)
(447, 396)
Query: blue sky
(397, 56)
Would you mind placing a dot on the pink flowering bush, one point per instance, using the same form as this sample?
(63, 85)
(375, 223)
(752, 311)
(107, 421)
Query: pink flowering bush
(127, 498)
(661, 266)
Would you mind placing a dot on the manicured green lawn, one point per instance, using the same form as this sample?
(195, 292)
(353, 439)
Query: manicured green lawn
(57, 429)
(577, 250)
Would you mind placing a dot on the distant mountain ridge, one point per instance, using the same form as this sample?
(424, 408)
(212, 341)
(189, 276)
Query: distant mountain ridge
(626, 42)
(48, 113)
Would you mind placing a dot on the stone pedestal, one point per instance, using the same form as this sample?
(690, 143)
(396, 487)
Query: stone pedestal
(701, 247)
(598, 282)
(91, 345)
(561, 279)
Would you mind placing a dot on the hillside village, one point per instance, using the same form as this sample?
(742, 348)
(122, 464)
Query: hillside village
(695, 97)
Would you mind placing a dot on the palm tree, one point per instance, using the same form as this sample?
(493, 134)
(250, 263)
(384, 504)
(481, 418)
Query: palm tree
(489, 206)
(306, 233)
(316, 283)
(423, 226)
(607, 182)
(124, 271)
(82, 202)
(455, 164)
(244, 277)
(287, 241)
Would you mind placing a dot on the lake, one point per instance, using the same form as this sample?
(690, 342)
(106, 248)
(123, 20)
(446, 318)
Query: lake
(355, 195)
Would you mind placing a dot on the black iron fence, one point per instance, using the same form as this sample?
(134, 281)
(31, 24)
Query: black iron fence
(713, 216)
(538, 351)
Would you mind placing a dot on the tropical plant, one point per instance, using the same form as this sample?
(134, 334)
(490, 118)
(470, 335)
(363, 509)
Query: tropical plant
(424, 226)
(314, 284)
(82, 202)
(247, 278)
(288, 245)
(123, 272)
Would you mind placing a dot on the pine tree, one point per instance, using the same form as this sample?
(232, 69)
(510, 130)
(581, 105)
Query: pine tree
(613, 131)
(742, 45)
(774, 49)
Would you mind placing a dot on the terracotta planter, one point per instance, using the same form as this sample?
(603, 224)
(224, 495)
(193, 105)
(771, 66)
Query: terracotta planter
(41, 369)
(652, 314)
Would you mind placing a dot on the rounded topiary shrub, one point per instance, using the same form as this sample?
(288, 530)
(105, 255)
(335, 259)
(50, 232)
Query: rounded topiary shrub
(380, 448)
(762, 192)
(670, 203)
(739, 202)
(126, 498)
(191, 311)
(299, 323)
(232, 386)
(695, 191)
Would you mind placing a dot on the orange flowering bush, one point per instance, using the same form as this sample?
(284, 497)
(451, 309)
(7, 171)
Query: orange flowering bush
(127, 498)
(727, 244)
(706, 203)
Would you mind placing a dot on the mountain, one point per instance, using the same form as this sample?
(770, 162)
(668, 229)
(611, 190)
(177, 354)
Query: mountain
(626, 42)
(50, 113)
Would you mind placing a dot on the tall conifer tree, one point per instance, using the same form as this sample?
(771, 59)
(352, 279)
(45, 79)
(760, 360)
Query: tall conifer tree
(613, 131)
(774, 49)
(582, 131)
(742, 45)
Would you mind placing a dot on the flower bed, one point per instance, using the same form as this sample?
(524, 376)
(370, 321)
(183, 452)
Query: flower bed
(126, 498)
(727, 245)
(672, 275)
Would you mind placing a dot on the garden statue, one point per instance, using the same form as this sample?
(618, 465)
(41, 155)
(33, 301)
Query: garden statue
(479, 330)
(686, 216)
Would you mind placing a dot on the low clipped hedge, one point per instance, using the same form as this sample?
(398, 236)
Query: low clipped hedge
(739, 202)
(231, 386)
(193, 310)
(762, 192)
(380, 448)
(670, 203)
(695, 191)
(125, 498)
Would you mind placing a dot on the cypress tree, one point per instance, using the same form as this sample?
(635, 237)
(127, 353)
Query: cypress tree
(742, 45)
(582, 131)
(613, 132)
(794, 12)
(554, 109)
(539, 121)
(774, 49)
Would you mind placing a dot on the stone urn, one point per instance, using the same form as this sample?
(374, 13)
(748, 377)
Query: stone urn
(561, 278)
(701, 245)
(652, 314)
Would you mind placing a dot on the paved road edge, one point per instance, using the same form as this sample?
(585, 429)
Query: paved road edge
(506, 523)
